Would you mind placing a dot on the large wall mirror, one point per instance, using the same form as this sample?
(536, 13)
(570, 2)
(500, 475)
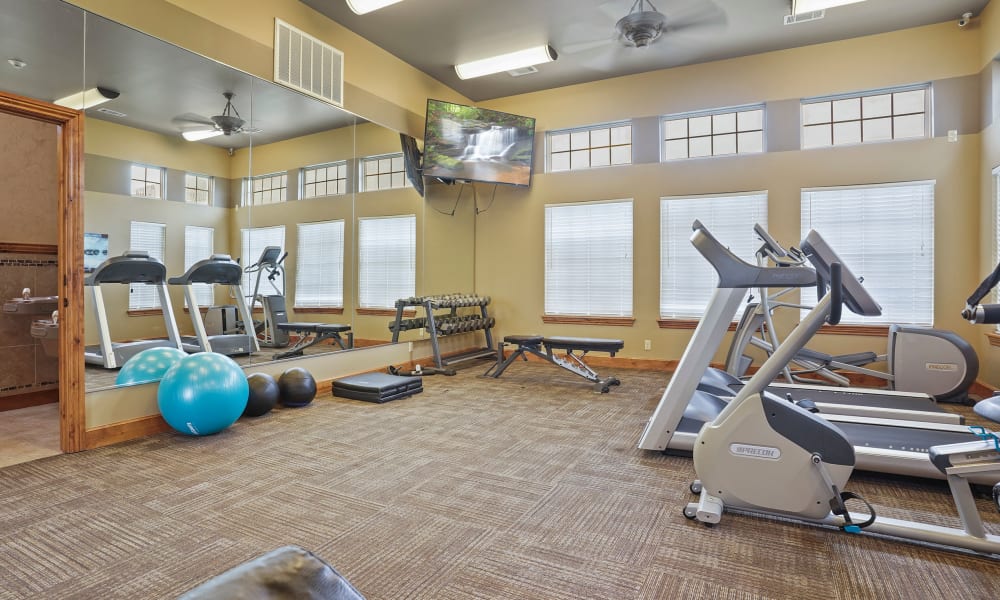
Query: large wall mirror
(296, 173)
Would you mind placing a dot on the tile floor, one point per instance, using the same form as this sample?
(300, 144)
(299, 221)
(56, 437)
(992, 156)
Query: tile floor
(28, 434)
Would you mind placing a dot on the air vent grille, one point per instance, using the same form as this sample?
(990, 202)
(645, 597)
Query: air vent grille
(304, 63)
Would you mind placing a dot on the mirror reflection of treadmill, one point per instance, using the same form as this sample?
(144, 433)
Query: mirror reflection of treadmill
(219, 269)
(133, 267)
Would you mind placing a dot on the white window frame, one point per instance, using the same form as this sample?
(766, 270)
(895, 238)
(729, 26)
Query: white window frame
(885, 234)
(687, 280)
(590, 147)
(143, 183)
(386, 271)
(199, 244)
(198, 187)
(589, 250)
(253, 240)
(271, 188)
(319, 180)
(835, 116)
(319, 265)
(151, 238)
(382, 172)
(711, 133)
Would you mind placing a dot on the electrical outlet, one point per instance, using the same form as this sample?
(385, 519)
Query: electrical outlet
(647, 345)
(952, 135)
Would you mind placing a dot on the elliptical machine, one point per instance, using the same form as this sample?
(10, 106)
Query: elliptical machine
(765, 455)
(269, 267)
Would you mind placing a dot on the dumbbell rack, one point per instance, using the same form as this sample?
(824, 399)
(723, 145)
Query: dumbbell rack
(447, 323)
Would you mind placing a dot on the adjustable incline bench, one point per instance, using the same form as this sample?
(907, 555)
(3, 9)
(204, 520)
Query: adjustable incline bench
(314, 333)
(544, 348)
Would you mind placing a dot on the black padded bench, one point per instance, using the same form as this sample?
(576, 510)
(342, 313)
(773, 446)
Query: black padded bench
(377, 387)
(314, 333)
(545, 348)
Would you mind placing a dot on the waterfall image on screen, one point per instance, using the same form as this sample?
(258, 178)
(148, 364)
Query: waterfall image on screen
(475, 144)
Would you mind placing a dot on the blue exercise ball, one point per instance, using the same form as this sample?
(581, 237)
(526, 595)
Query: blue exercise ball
(203, 393)
(148, 365)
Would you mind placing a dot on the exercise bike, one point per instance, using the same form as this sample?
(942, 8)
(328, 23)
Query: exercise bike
(919, 359)
(985, 314)
(269, 268)
(764, 455)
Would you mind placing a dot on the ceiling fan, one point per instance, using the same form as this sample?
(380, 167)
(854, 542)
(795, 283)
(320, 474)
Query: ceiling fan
(229, 122)
(644, 25)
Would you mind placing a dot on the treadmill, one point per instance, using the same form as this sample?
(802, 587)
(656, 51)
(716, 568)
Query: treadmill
(133, 267)
(881, 445)
(219, 269)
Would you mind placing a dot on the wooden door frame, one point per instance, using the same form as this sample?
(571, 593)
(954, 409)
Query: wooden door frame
(69, 148)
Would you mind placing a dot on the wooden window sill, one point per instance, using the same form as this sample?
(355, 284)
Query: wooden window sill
(319, 310)
(866, 330)
(146, 312)
(384, 312)
(684, 324)
(994, 338)
(573, 320)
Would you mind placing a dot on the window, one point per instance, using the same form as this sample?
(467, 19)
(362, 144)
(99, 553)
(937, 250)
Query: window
(199, 244)
(713, 133)
(325, 180)
(387, 248)
(687, 280)
(146, 181)
(197, 189)
(588, 259)
(267, 189)
(885, 234)
(253, 242)
(865, 117)
(319, 265)
(151, 238)
(588, 147)
(384, 172)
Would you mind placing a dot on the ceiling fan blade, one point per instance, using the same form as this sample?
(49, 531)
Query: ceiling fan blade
(694, 15)
(192, 119)
(579, 47)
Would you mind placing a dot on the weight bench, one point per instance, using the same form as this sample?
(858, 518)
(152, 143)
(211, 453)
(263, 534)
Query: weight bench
(544, 348)
(311, 334)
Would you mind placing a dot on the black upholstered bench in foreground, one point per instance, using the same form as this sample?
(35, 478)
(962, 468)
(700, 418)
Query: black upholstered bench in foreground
(545, 348)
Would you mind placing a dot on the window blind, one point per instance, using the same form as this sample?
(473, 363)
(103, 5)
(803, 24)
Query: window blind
(319, 265)
(199, 244)
(386, 260)
(588, 259)
(254, 240)
(151, 238)
(885, 234)
(687, 280)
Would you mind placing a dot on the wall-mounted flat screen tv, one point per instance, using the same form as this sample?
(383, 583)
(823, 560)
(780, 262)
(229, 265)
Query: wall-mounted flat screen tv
(476, 144)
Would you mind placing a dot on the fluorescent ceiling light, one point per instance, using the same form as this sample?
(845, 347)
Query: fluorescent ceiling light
(506, 62)
(88, 98)
(804, 6)
(366, 6)
(200, 134)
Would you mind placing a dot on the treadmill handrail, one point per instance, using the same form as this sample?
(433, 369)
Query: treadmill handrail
(734, 272)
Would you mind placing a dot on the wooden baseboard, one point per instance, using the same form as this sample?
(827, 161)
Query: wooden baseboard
(27, 399)
(124, 431)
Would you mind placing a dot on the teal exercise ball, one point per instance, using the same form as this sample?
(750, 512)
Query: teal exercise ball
(203, 394)
(148, 365)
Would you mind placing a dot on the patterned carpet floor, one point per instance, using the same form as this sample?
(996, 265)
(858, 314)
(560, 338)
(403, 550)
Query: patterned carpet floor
(527, 486)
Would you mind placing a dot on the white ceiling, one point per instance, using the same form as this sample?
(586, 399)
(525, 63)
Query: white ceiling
(434, 35)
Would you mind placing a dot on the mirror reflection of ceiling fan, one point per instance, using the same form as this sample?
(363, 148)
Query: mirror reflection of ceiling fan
(195, 127)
